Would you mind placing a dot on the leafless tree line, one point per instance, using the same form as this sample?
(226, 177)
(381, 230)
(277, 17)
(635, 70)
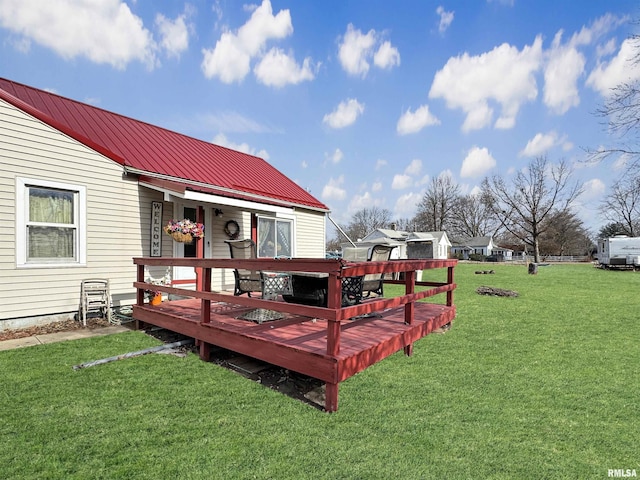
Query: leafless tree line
(531, 211)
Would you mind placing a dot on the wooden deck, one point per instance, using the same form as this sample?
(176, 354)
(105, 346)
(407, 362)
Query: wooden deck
(330, 344)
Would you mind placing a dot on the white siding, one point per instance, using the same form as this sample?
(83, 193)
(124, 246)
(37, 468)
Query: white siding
(118, 213)
(310, 234)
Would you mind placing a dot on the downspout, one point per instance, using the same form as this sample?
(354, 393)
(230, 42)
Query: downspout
(340, 230)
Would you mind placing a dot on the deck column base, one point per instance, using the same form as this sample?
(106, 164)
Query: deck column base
(205, 350)
(408, 350)
(331, 397)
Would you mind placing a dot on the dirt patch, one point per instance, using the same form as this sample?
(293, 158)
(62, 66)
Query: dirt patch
(55, 327)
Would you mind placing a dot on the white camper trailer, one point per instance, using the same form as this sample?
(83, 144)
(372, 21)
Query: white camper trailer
(619, 252)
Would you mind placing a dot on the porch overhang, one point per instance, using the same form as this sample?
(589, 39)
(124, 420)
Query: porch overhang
(184, 190)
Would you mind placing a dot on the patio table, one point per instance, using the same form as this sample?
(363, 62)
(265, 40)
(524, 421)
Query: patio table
(310, 288)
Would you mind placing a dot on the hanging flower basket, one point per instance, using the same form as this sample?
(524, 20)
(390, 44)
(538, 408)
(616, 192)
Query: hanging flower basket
(182, 237)
(184, 231)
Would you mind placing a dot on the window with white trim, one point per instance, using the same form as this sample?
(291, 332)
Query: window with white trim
(275, 237)
(50, 221)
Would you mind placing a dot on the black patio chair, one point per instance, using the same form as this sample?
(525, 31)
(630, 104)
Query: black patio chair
(374, 282)
(246, 281)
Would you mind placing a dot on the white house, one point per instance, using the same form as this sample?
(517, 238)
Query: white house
(85, 190)
(482, 246)
(405, 241)
(386, 236)
(419, 244)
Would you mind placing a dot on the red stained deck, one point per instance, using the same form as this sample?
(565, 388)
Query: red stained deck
(330, 344)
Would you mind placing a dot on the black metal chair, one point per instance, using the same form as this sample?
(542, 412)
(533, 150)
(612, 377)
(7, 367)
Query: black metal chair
(246, 281)
(374, 282)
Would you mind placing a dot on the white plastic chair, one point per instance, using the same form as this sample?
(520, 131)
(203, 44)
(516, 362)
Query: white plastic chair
(95, 295)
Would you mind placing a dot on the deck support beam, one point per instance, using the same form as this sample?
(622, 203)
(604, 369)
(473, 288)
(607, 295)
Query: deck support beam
(409, 308)
(331, 397)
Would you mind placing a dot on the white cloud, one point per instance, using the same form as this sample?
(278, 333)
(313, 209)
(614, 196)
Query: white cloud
(477, 163)
(230, 59)
(103, 32)
(356, 50)
(22, 45)
(222, 140)
(345, 114)
(387, 56)
(229, 122)
(564, 66)
(336, 157)
(358, 202)
(539, 144)
(505, 75)
(407, 178)
(445, 19)
(609, 48)
(380, 163)
(406, 204)
(333, 190)
(622, 68)
(304, 164)
(413, 122)
(592, 190)
(475, 191)
(277, 69)
(414, 168)
(174, 34)
(376, 187)
(401, 181)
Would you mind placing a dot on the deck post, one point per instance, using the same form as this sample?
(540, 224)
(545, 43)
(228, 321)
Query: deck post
(450, 282)
(409, 308)
(139, 292)
(199, 248)
(331, 397)
(205, 312)
(334, 301)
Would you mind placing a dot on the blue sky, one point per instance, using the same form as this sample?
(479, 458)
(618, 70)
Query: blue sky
(360, 102)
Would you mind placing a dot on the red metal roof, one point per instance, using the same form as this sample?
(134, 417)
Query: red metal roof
(158, 151)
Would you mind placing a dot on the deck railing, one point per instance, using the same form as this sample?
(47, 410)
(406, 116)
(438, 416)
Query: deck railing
(335, 269)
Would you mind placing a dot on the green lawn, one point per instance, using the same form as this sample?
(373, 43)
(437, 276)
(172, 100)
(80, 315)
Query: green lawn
(540, 386)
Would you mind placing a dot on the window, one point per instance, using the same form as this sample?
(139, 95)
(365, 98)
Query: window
(50, 220)
(275, 237)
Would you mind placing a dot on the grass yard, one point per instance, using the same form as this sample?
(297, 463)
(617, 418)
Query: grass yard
(540, 386)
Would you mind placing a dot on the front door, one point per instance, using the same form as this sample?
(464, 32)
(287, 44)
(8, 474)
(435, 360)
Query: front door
(185, 276)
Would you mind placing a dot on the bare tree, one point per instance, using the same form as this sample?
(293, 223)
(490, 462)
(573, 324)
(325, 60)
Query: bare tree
(566, 235)
(472, 217)
(435, 210)
(404, 224)
(622, 205)
(611, 230)
(362, 223)
(621, 111)
(524, 206)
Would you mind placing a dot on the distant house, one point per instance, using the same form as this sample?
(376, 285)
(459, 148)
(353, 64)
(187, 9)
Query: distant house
(87, 190)
(418, 245)
(473, 246)
(387, 236)
(402, 239)
(481, 246)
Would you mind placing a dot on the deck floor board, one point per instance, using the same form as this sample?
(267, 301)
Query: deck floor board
(304, 333)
